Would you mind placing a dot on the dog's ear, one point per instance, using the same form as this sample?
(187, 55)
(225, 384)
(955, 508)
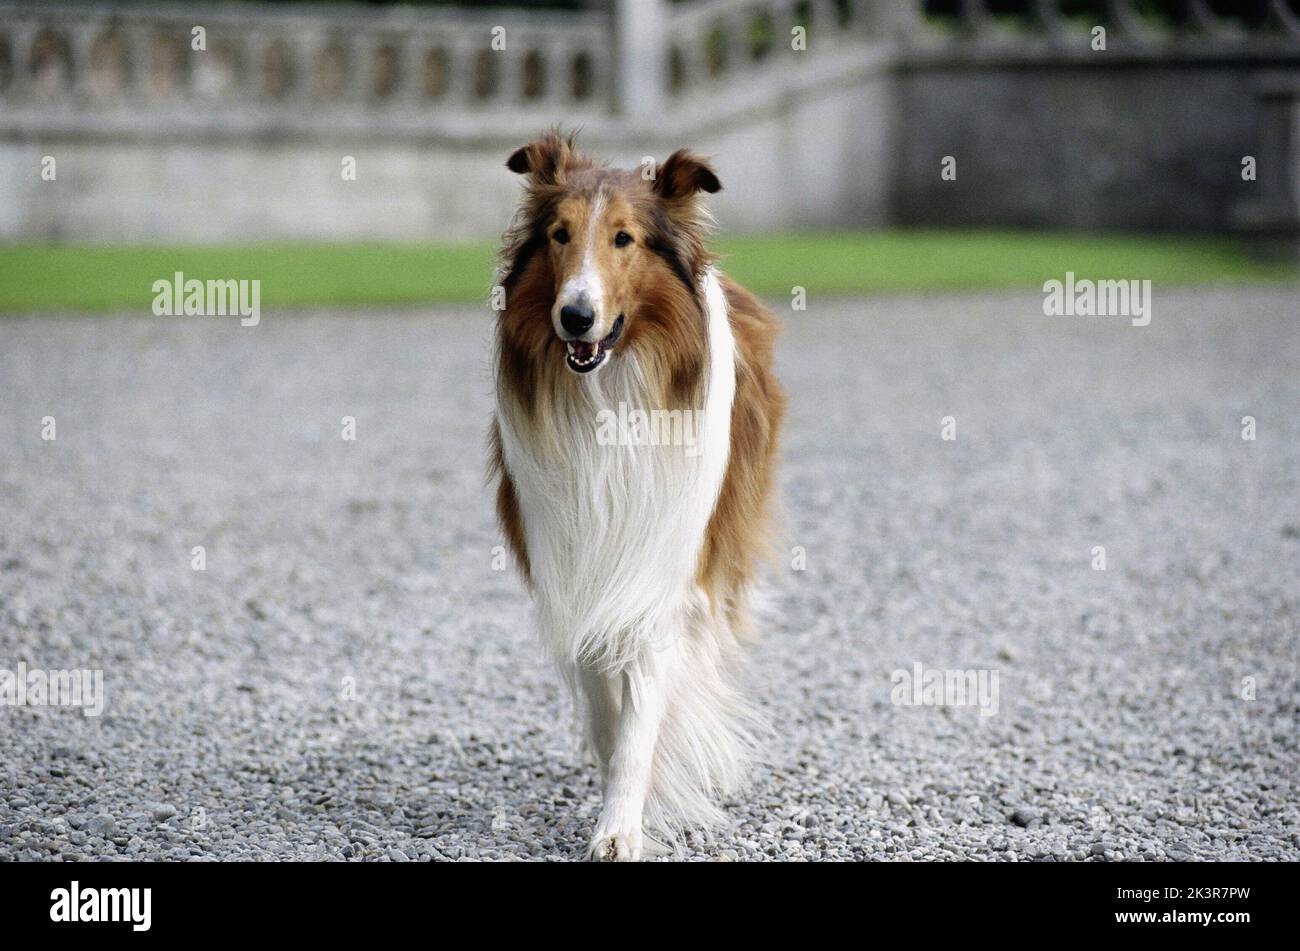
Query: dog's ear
(543, 160)
(683, 174)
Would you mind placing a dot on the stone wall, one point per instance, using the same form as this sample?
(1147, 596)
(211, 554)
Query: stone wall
(155, 140)
(1148, 133)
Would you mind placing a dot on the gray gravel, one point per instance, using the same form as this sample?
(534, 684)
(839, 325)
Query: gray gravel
(351, 679)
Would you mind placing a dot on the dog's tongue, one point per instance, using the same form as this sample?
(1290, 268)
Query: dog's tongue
(582, 350)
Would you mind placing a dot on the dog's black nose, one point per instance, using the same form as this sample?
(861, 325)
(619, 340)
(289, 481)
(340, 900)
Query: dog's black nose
(577, 318)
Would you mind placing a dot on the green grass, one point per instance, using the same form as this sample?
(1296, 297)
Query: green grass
(872, 262)
(37, 277)
(104, 278)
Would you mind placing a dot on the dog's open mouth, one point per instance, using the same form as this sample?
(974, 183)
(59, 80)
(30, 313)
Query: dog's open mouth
(583, 357)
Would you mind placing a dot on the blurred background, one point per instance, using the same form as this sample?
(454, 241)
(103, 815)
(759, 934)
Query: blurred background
(361, 146)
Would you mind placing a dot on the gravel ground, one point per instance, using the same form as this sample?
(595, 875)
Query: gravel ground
(351, 678)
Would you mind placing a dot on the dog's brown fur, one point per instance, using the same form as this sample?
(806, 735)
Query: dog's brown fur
(657, 287)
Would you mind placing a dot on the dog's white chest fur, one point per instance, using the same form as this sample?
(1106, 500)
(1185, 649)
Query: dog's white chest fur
(614, 532)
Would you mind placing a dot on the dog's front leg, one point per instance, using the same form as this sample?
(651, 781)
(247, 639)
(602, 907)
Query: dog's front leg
(601, 700)
(646, 685)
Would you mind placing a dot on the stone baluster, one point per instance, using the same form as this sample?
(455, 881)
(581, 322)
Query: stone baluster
(356, 82)
(972, 18)
(227, 58)
(303, 46)
(22, 33)
(309, 47)
(17, 61)
(461, 79)
(1202, 18)
(554, 74)
(825, 20)
(1284, 17)
(603, 73)
(1126, 21)
(785, 19)
(566, 74)
(735, 33)
(138, 37)
(410, 52)
(510, 69)
(640, 28)
(695, 70)
(1047, 18)
(80, 37)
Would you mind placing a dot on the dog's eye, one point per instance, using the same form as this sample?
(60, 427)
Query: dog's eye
(561, 236)
(622, 239)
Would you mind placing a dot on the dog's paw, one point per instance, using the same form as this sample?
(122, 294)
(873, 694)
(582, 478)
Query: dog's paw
(615, 847)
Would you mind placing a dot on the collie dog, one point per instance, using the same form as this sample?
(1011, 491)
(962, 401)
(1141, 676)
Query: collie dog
(638, 546)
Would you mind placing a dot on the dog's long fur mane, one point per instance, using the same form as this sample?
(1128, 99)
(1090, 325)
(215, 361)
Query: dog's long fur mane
(632, 551)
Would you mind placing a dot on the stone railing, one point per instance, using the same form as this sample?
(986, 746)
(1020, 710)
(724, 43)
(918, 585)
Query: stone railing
(1040, 27)
(118, 66)
(853, 99)
(713, 43)
(1130, 19)
(112, 66)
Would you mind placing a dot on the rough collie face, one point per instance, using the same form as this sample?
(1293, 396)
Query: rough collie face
(603, 260)
(595, 260)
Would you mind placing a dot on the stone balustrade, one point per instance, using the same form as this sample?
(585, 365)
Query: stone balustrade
(1177, 21)
(718, 41)
(304, 66)
(110, 65)
(853, 101)
(711, 44)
